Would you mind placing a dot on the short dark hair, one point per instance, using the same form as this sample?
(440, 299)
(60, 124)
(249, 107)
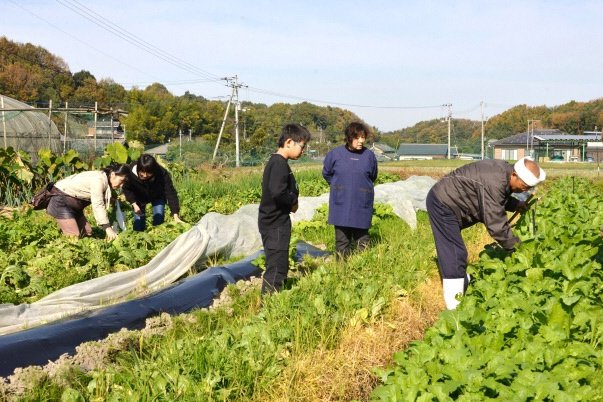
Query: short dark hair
(148, 164)
(118, 169)
(355, 130)
(296, 132)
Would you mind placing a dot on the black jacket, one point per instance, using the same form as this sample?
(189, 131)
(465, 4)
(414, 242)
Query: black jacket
(480, 192)
(158, 188)
(279, 193)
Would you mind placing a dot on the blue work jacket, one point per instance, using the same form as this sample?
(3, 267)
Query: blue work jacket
(351, 176)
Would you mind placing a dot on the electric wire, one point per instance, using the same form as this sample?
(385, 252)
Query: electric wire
(99, 20)
(467, 111)
(280, 95)
(168, 83)
(87, 44)
(134, 40)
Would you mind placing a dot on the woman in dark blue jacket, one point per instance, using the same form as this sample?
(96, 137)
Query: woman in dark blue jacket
(151, 184)
(351, 171)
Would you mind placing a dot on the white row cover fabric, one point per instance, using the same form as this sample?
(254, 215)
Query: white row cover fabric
(168, 265)
(215, 234)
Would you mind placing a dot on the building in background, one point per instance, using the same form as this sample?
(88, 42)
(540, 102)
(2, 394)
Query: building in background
(158, 150)
(426, 151)
(383, 151)
(548, 145)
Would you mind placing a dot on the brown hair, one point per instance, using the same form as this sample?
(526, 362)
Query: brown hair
(355, 130)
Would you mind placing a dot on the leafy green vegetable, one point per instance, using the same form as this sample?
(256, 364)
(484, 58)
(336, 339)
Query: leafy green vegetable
(528, 327)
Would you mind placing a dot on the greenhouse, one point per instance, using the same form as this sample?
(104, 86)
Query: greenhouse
(27, 128)
(87, 130)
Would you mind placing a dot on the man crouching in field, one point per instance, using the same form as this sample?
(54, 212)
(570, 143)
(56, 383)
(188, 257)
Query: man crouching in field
(477, 192)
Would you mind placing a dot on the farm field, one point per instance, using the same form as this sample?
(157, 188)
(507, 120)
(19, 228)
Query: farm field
(332, 333)
(221, 191)
(436, 168)
(241, 350)
(36, 260)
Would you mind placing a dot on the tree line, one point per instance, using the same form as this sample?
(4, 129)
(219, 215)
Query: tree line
(33, 75)
(572, 118)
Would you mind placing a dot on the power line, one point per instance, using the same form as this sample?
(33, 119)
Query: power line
(501, 105)
(280, 95)
(467, 111)
(180, 82)
(77, 39)
(134, 40)
(116, 30)
(110, 56)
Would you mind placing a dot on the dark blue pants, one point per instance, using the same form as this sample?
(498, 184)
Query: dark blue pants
(140, 221)
(450, 247)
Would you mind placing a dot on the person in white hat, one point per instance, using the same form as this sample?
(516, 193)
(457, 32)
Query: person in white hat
(476, 192)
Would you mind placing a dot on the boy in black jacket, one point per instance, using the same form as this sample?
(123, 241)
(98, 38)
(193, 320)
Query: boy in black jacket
(279, 199)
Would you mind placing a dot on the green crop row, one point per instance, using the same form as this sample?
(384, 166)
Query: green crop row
(529, 327)
(36, 260)
(239, 352)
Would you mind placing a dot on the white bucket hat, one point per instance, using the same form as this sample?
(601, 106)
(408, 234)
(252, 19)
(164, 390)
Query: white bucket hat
(526, 175)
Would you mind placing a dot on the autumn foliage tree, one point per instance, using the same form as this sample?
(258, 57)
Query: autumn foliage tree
(32, 74)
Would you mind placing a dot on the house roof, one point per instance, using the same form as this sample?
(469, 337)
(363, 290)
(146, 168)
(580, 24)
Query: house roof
(158, 150)
(383, 147)
(426, 149)
(383, 157)
(517, 139)
(546, 136)
(569, 137)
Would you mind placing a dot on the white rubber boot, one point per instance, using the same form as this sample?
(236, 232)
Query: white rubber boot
(452, 287)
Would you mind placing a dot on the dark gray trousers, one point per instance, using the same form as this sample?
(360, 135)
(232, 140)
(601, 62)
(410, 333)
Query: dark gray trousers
(450, 247)
(276, 249)
(346, 239)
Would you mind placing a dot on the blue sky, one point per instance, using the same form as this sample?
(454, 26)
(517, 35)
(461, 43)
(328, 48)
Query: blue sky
(399, 60)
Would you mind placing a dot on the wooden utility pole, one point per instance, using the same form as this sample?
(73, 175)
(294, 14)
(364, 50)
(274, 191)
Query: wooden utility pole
(234, 94)
(482, 105)
(222, 127)
(50, 125)
(3, 120)
(448, 118)
(237, 147)
(95, 123)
